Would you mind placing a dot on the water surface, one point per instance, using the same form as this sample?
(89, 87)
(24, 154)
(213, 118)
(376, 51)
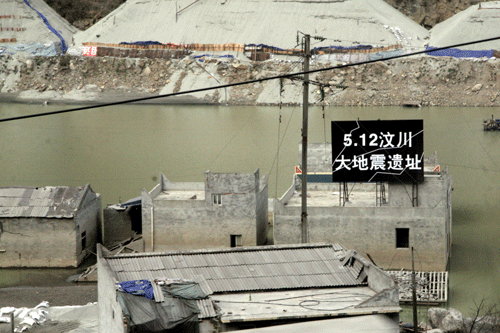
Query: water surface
(119, 150)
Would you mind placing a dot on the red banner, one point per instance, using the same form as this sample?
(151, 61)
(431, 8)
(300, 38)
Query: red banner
(89, 51)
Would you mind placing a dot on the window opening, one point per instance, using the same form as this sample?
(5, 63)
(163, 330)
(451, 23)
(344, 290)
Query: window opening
(217, 199)
(402, 237)
(236, 240)
(84, 239)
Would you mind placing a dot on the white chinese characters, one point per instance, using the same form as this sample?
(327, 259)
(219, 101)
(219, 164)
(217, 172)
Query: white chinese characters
(376, 162)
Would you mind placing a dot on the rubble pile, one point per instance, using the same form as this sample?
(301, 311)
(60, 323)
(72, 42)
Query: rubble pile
(428, 289)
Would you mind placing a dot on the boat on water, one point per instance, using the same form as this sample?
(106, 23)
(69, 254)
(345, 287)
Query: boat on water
(491, 124)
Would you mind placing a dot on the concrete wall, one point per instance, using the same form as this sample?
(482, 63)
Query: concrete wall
(192, 224)
(88, 219)
(117, 226)
(238, 190)
(38, 242)
(319, 157)
(433, 193)
(110, 311)
(262, 214)
(372, 230)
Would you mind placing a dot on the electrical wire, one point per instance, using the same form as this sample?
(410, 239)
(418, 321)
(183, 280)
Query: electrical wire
(142, 99)
(281, 143)
(230, 140)
(276, 158)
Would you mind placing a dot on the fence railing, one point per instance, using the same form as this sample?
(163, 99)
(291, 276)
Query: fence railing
(431, 287)
(247, 48)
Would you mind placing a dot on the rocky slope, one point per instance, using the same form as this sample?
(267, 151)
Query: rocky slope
(428, 81)
(428, 13)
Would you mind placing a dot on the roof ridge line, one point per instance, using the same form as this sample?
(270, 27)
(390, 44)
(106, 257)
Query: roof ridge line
(226, 250)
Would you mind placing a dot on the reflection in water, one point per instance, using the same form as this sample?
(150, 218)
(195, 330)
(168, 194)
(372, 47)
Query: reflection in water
(119, 150)
(41, 277)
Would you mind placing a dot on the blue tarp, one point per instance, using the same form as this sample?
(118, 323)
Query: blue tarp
(34, 49)
(457, 53)
(63, 43)
(200, 57)
(357, 47)
(132, 202)
(384, 54)
(138, 288)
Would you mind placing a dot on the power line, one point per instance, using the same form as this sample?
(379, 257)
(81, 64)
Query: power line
(284, 76)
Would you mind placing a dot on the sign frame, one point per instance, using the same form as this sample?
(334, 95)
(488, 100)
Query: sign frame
(378, 151)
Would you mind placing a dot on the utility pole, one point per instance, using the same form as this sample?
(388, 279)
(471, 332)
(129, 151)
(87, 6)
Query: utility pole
(414, 293)
(305, 108)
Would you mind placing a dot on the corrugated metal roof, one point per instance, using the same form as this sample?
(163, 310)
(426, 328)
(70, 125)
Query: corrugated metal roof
(246, 269)
(59, 202)
(206, 308)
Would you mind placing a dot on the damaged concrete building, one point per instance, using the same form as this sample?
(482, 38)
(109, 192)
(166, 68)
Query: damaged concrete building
(241, 288)
(48, 226)
(382, 221)
(121, 221)
(227, 210)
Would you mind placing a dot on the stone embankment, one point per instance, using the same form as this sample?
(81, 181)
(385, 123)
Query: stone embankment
(420, 80)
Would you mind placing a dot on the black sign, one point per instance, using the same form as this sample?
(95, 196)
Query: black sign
(378, 151)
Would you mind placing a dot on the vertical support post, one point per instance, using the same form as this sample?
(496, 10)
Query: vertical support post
(12, 325)
(152, 230)
(346, 193)
(340, 195)
(305, 108)
(415, 194)
(414, 293)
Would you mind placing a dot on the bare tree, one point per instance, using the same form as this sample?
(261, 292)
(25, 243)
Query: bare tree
(485, 318)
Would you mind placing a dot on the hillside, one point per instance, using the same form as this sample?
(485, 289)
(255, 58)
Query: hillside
(428, 13)
(426, 81)
(84, 13)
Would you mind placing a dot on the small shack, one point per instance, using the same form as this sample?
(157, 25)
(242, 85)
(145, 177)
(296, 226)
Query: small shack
(48, 226)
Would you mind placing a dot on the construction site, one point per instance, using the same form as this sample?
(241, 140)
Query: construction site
(147, 48)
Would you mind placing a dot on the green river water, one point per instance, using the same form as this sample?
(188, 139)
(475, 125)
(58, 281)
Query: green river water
(119, 150)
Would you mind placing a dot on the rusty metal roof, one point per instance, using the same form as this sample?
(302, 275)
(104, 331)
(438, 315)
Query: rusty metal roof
(47, 202)
(261, 268)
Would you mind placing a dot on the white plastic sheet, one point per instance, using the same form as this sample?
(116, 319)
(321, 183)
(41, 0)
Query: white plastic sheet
(30, 317)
